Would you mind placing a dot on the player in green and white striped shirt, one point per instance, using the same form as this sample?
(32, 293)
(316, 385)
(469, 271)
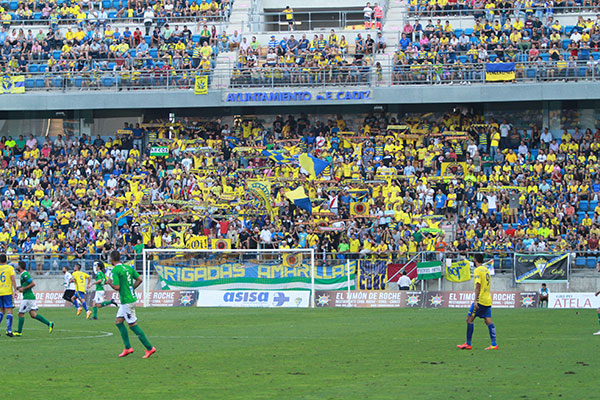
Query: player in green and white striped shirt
(28, 302)
(99, 296)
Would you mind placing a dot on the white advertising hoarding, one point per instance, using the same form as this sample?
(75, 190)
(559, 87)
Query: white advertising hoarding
(254, 298)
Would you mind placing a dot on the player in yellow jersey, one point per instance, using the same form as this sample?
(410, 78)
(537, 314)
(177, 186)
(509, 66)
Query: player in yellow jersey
(482, 306)
(8, 289)
(80, 279)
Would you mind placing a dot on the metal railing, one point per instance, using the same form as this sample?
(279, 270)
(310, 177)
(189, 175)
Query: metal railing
(521, 12)
(502, 259)
(306, 20)
(96, 21)
(281, 77)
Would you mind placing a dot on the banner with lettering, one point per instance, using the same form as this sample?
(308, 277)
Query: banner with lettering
(541, 267)
(458, 271)
(372, 275)
(252, 276)
(452, 299)
(157, 298)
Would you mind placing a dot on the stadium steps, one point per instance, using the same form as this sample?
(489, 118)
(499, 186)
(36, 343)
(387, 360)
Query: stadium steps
(56, 128)
(386, 64)
(223, 62)
(392, 21)
(238, 20)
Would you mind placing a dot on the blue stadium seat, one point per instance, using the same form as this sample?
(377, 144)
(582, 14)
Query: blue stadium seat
(581, 72)
(469, 31)
(33, 68)
(112, 65)
(13, 5)
(39, 83)
(583, 205)
(106, 4)
(566, 43)
(458, 32)
(112, 15)
(78, 81)
(580, 216)
(115, 4)
(596, 55)
(148, 39)
(569, 29)
(29, 83)
(580, 261)
(534, 153)
(531, 73)
(57, 82)
(593, 205)
(43, 67)
(545, 56)
(132, 53)
(463, 59)
(196, 38)
(108, 82)
(590, 262)
(37, 16)
(154, 53)
(493, 57)
(56, 54)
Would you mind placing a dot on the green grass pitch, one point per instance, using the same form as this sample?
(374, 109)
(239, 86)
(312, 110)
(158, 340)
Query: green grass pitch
(305, 354)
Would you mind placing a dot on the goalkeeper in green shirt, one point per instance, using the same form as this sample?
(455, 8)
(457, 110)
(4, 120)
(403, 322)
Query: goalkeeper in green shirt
(28, 302)
(125, 280)
(99, 295)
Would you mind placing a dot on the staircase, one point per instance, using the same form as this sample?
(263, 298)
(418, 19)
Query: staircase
(238, 21)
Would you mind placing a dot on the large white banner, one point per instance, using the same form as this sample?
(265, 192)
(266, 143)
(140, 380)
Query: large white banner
(254, 298)
(573, 300)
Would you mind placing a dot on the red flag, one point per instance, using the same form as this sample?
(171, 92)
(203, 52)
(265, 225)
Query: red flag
(409, 269)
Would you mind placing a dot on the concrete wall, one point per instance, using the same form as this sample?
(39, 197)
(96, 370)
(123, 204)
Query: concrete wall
(407, 95)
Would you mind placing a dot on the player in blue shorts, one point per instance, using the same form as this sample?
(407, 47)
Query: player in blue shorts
(482, 306)
(8, 290)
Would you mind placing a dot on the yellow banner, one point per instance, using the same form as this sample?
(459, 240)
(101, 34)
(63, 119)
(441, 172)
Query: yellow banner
(459, 271)
(12, 84)
(201, 85)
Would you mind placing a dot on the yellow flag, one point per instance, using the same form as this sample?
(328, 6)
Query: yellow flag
(12, 84)
(201, 86)
(459, 271)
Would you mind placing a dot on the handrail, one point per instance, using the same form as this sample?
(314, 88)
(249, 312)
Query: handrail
(521, 11)
(268, 77)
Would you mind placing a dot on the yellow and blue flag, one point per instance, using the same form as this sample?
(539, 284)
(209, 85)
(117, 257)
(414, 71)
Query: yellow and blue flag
(12, 84)
(312, 165)
(201, 84)
(495, 72)
(459, 271)
(300, 199)
(278, 156)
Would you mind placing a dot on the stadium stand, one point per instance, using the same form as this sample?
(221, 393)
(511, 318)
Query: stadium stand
(471, 183)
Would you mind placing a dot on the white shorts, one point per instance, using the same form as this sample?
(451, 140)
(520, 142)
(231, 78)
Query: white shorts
(127, 311)
(99, 296)
(27, 305)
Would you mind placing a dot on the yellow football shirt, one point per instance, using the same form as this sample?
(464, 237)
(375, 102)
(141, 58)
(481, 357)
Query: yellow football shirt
(482, 276)
(80, 280)
(6, 274)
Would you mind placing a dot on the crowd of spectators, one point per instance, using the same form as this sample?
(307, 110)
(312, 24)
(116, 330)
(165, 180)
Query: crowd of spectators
(83, 56)
(82, 41)
(492, 186)
(99, 13)
(324, 59)
(490, 8)
(541, 50)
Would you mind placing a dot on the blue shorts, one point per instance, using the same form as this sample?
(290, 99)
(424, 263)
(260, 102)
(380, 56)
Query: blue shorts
(482, 311)
(80, 295)
(6, 301)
